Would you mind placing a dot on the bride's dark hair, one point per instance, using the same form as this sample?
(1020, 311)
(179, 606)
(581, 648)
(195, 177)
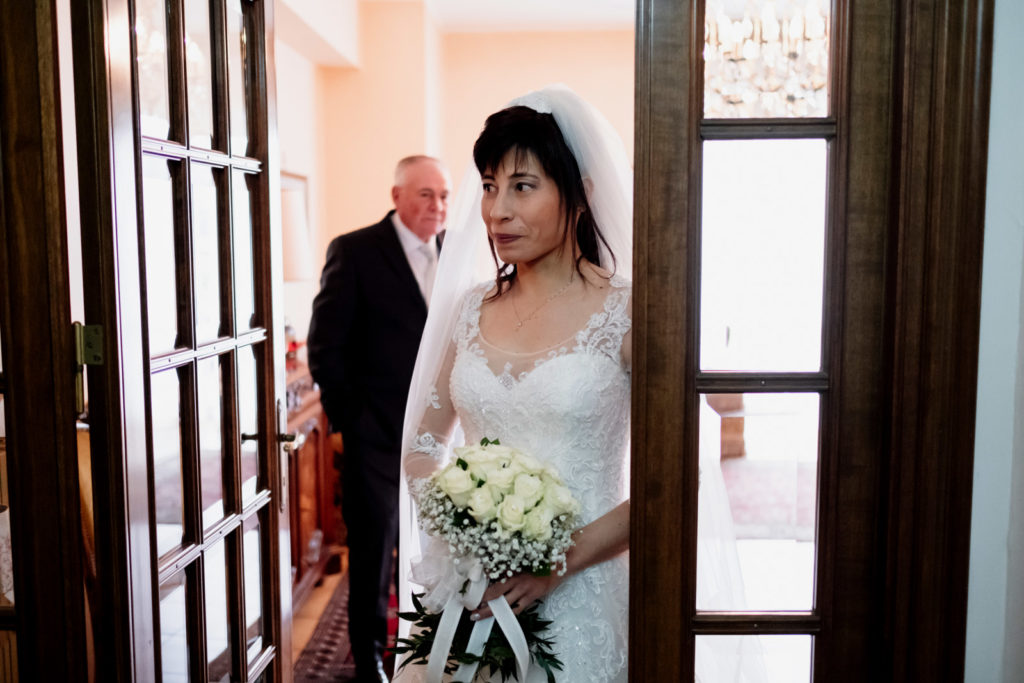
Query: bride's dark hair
(523, 130)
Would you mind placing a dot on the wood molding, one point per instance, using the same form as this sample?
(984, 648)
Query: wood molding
(38, 352)
(852, 471)
(108, 164)
(938, 206)
(270, 298)
(660, 631)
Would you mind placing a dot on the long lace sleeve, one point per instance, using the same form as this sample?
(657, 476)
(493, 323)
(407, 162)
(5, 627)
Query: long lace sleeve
(427, 449)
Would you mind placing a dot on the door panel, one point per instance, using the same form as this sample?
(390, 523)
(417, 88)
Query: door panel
(196, 119)
(883, 587)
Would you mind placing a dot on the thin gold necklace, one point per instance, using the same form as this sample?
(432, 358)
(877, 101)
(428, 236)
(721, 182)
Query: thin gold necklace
(550, 298)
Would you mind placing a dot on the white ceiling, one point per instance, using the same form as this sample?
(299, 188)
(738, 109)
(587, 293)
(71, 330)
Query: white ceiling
(456, 16)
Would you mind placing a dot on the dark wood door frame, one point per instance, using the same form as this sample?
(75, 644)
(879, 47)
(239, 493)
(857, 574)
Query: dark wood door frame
(38, 352)
(911, 160)
(941, 135)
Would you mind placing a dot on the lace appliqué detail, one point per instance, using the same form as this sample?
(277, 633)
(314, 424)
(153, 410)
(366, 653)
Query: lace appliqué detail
(603, 333)
(426, 443)
(607, 328)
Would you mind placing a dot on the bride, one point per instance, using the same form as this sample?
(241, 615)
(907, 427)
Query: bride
(538, 356)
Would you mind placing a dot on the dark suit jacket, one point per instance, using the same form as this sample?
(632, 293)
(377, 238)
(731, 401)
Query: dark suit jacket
(366, 327)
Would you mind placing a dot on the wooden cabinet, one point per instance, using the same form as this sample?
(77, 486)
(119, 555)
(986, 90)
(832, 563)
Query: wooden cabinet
(313, 490)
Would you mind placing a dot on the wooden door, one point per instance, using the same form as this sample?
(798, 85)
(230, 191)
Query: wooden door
(178, 176)
(892, 151)
(42, 616)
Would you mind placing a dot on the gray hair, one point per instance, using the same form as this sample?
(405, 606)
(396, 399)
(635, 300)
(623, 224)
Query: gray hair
(408, 161)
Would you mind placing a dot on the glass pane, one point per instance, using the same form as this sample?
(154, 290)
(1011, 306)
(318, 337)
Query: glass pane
(766, 58)
(199, 73)
(248, 420)
(758, 485)
(253, 572)
(245, 300)
(206, 252)
(165, 410)
(173, 630)
(762, 255)
(210, 401)
(218, 648)
(772, 659)
(151, 44)
(161, 260)
(237, 69)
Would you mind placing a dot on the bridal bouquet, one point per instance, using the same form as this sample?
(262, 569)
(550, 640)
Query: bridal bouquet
(492, 512)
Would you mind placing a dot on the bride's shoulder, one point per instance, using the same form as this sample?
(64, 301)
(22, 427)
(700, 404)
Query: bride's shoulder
(603, 277)
(475, 296)
(621, 282)
(480, 292)
(620, 294)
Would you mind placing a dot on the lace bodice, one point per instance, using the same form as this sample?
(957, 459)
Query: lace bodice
(567, 405)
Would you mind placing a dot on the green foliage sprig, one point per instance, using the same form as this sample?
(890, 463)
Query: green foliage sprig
(497, 656)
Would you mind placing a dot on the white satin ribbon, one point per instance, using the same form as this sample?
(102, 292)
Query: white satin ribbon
(470, 599)
(506, 619)
(477, 639)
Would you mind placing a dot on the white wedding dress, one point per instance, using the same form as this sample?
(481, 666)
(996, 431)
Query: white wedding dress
(569, 406)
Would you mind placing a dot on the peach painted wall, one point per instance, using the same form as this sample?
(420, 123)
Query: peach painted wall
(299, 139)
(373, 116)
(324, 31)
(417, 90)
(483, 71)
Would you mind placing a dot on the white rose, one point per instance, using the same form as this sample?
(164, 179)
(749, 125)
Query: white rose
(529, 488)
(478, 469)
(538, 523)
(457, 485)
(499, 452)
(528, 463)
(496, 493)
(512, 513)
(515, 467)
(481, 505)
(560, 500)
(475, 458)
(472, 454)
(501, 478)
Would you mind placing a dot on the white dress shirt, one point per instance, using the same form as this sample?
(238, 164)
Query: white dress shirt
(422, 256)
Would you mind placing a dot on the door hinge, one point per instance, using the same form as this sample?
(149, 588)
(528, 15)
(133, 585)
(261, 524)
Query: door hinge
(88, 351)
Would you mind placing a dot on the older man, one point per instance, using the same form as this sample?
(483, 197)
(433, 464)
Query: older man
(363, 337)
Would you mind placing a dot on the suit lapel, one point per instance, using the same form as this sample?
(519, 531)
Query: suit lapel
(394, 256)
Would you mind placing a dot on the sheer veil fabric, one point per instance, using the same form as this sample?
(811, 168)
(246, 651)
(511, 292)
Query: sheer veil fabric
(466, 261)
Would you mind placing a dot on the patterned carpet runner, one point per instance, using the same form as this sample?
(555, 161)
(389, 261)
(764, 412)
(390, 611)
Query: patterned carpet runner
(327, 657)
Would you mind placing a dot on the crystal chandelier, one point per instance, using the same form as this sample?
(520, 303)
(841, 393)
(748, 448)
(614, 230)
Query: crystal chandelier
(766, 59)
